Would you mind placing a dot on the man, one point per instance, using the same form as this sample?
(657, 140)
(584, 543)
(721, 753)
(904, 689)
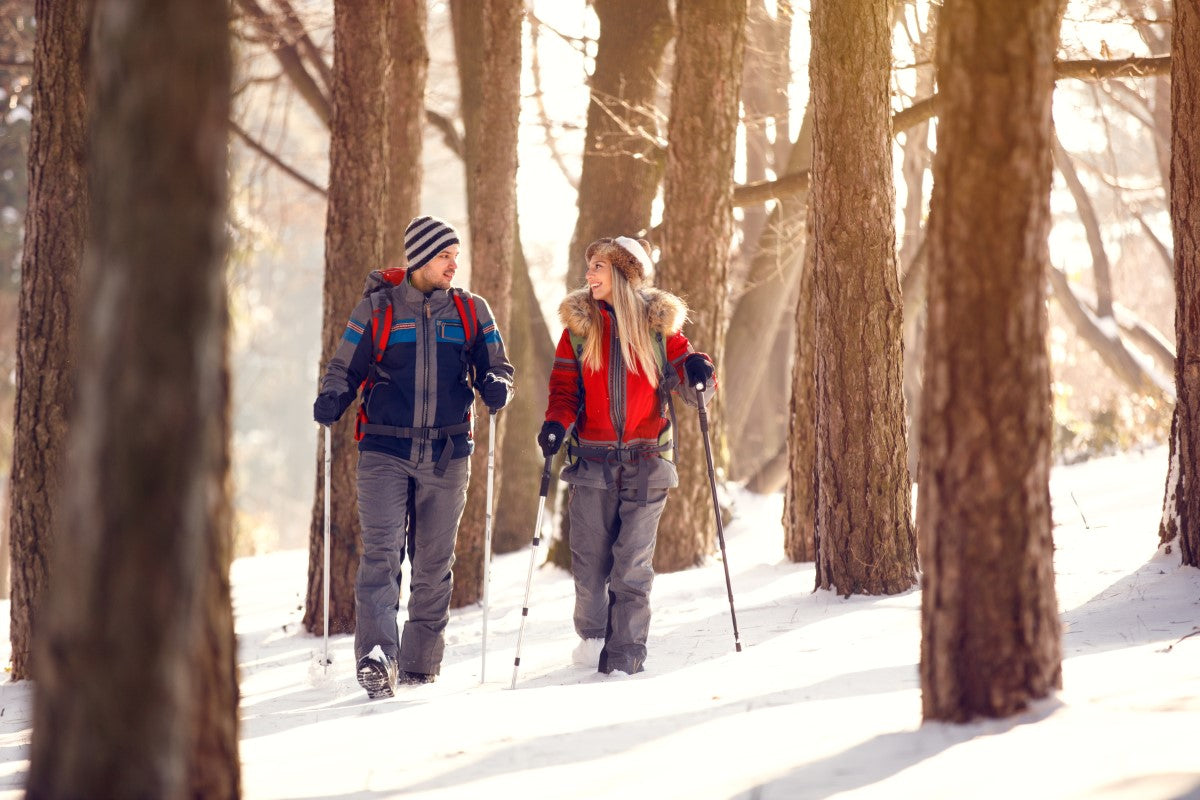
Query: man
(417, 349)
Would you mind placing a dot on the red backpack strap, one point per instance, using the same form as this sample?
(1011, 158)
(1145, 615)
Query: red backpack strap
(470, 320)
(381, 332)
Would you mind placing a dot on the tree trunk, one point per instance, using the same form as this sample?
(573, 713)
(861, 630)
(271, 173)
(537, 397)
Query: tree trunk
(146, 490)
(621, 170)
(800, 495)
(354, 245)
(990, 631)
(1185, 219)
(530, 346)
(766, 72)
(697, 226)
(54, 232)
(770, 285)
(917, 156)
(487, 42)
(865, 541)
(406, 71)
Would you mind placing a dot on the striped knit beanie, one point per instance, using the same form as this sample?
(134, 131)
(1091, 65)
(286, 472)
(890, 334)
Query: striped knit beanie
(424, 238)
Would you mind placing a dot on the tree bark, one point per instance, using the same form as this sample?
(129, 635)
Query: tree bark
(697, 226)
(406, 72)
(354, 245)
(121, 690)
(989, 619)
(865, 541)
(529, 346)
(621, 172)
(1185, 219)
(55, 223)
(487, 42)
(799, 497)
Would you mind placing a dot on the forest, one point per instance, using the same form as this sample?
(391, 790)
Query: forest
(934, 250)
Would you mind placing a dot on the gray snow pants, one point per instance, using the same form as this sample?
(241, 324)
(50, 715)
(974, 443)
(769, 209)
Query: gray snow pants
(612, 549)
(383, 487)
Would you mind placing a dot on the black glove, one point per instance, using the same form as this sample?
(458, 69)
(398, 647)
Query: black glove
(495, 392)
(698, 369)
(328, 408)
(551, 438)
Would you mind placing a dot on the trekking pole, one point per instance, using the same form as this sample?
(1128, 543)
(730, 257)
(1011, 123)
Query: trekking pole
(712, 482)
(325, 581)
(487, 536)
(537, 540)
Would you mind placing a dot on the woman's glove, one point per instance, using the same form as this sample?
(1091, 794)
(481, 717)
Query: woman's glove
(551, 438)
(698, 369)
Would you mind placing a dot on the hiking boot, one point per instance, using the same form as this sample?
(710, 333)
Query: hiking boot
(413, 678)
(377, 674)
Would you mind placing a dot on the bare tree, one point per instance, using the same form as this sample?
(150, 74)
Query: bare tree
(406, 71)
(1184, 511)
(55, 225)
(354, 244)
(989, 619)
(487, 44)
(146, 494)
(697, 226)
(621, 168)
(864, 536)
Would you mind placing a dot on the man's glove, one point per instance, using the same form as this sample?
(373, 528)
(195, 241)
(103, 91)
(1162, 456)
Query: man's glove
(698, 369)
(495, 392)
(551, 438)
(328, 408)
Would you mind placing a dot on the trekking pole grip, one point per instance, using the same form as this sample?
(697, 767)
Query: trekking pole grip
(545, 488)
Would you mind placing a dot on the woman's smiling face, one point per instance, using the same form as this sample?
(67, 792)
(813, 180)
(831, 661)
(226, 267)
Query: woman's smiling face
(599, 277)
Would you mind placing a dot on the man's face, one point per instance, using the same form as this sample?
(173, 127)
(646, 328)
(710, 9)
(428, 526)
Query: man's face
(439, 273)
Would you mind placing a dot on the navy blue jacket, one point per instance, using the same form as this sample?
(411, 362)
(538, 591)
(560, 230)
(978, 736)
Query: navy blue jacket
(420, 382)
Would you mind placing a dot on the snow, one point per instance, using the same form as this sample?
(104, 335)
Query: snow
(824, 700)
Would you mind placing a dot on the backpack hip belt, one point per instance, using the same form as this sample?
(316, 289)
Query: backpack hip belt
(609, 456)
(445, 432)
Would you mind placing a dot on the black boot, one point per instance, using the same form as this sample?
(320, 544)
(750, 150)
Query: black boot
(377, 677)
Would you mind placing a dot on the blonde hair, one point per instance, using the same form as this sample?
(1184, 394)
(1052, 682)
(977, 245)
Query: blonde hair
(629, 309)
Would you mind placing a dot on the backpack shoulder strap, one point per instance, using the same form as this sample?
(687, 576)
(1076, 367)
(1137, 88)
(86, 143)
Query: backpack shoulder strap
(381, 324)
(465, 302)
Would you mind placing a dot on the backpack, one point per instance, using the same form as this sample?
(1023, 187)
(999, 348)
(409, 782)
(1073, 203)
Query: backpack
(667, 380)
(381, 330)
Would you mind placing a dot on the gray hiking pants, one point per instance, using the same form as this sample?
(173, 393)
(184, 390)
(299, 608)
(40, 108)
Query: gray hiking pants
(383, 490)
(612, 549)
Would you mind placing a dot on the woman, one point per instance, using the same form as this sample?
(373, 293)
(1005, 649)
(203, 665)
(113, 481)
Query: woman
(617, 361)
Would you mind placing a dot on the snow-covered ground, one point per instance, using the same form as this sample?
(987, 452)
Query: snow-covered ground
(824, 700)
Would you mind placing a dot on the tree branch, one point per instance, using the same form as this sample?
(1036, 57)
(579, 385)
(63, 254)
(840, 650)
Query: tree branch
(779, 189)
(274, 159)
(289, 58)
(1107, 344)
(1086, 70)
(450, 135)
(299, 36)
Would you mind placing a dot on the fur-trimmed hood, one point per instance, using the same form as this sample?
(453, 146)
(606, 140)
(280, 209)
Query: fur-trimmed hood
(665, 312)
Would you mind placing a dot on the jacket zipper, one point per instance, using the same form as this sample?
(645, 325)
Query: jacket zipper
(616, 382)
(425, 383)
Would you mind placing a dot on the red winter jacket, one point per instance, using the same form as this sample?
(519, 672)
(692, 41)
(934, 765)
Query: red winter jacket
(623, 409)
